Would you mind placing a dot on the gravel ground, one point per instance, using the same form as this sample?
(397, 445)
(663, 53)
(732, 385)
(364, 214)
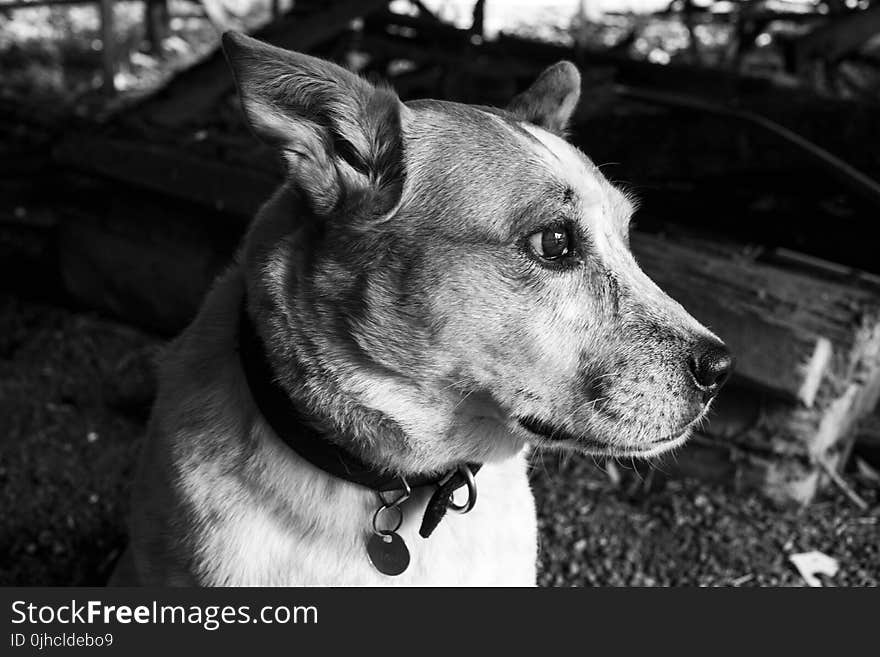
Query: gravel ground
(653, 531)
(73, 392)
(65, 451)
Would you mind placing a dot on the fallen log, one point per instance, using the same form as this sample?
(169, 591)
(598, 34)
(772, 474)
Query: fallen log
(789, 330)
(782, 449)
(167, 170)
(772, 317)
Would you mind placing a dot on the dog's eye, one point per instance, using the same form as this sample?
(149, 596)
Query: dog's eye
(551, 243)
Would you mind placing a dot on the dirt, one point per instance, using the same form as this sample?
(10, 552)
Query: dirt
(65, 451)
(74, 393)
(655, 531)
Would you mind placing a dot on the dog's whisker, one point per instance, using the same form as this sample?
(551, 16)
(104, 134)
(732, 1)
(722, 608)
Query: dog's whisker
(636, 469)
(594, 402)
(462, 400)
(453, 384)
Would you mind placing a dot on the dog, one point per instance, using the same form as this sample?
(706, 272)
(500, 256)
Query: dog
(435, 289)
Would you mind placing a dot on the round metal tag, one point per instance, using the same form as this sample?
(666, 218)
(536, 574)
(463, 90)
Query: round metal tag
(388, 553)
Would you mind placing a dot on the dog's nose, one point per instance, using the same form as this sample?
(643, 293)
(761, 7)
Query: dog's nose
(710, 365)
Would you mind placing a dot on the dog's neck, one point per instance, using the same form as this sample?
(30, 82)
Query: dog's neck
(317, 393)
(381, 416)
(313, 360)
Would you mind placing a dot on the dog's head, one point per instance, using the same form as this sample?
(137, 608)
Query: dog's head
(464, 271)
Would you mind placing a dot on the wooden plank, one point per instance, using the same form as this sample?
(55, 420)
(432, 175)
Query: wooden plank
(751, 443)
(825, 269)
(784, 448)
(785, 481)
(754, 422)
(788, 330)
(167, 170)
(784, 258)
(194, 91)
(776, 435)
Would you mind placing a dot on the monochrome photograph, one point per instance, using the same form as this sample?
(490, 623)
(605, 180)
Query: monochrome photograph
(438, 293)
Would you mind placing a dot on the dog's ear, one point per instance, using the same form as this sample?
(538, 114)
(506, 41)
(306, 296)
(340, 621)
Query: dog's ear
(340, 135)
(550, 101)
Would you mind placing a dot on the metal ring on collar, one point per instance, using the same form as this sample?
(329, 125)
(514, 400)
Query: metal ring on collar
(386, 532)
(471, 491)
(406, 491)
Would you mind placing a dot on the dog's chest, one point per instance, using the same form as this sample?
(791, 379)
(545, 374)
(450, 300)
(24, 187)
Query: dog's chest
(495, 544)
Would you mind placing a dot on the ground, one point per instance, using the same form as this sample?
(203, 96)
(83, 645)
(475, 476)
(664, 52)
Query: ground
(74, 389)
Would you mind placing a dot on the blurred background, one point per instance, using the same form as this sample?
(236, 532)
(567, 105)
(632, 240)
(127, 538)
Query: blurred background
(749, 129)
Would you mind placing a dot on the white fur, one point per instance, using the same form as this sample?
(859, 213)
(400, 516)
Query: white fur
(276, 520)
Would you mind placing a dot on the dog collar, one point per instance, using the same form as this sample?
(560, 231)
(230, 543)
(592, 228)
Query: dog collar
(279, 411)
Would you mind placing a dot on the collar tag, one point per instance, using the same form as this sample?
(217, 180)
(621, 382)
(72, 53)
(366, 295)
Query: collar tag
(441, 501)
(386, 548)
(296, 431)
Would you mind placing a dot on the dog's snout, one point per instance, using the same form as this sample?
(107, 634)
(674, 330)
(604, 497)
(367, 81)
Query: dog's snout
(710, 364)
